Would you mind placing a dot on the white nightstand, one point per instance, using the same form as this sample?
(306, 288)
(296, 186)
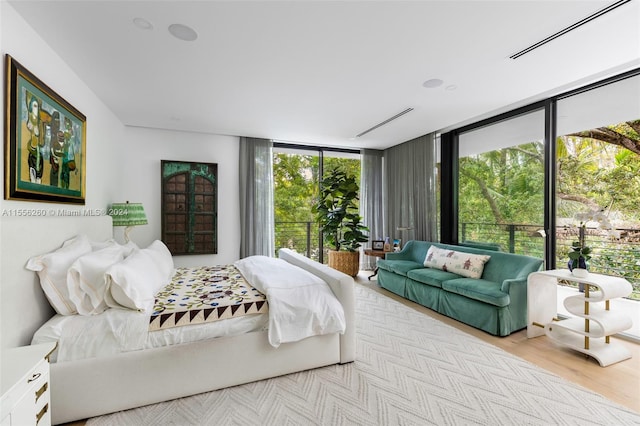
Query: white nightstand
(24, 383)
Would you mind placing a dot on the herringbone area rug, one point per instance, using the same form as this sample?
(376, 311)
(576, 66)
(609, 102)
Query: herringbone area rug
(410, 370)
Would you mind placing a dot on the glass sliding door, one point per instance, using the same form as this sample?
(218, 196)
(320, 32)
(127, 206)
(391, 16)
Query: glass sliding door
(501, 185)
(347, 162)
(598, 180)
(505, 197)
(296, 173)
(295, 179)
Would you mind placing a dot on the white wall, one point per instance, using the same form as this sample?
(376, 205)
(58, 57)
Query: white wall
(104, 134)
(139, 166)
(123, 163)
(104, 131)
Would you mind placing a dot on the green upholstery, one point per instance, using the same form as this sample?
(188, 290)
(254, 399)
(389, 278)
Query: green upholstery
(432, 277)
(495, 303)
(399, 266)
(482, 290)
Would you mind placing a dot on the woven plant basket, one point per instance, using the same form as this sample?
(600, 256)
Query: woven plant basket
(345, 261)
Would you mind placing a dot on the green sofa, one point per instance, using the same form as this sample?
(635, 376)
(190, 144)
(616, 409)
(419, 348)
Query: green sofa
(496, 302)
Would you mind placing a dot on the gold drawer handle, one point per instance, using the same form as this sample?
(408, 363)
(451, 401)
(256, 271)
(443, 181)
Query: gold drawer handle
(34, 377)
(41, 414)
(42, 390)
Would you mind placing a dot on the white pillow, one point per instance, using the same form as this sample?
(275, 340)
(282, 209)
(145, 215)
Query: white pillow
(87, 281)
(134, 282)
(162, 257)
(52, 270)
(461, 263)
(99, 245)
(129, 247)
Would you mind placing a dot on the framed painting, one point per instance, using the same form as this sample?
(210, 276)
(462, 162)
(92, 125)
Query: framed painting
(45, 141)
(377, 245)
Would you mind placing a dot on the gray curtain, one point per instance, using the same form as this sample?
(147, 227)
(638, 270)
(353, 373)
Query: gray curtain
(371, 199)
(410, 188)
(256, 197)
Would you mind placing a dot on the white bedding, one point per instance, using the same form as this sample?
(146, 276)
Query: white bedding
(119, 330)
(301, 304)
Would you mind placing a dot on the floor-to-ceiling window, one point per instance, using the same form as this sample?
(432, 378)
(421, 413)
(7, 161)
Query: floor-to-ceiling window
(539, 173)
(598, 180)
(295, 179)
(438, 180)
(296, 173)
(501, 185)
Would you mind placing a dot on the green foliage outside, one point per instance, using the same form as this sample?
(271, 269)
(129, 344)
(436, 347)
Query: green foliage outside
(597, 169)
(296, 184)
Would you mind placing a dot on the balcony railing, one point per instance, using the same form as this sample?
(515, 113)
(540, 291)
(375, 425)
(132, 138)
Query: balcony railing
(299, 236)
(620, 257)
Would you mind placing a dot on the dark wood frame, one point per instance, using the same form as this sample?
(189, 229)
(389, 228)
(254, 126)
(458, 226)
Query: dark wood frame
(199, 207)
(45, 153)
(377, 245)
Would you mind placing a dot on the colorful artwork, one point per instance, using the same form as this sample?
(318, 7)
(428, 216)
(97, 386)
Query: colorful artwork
(45, 141)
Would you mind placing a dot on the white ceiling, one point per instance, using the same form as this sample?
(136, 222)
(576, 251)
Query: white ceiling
(321, 72)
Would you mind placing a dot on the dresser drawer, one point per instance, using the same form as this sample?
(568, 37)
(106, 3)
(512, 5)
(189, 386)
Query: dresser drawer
(25, 384)
(33, 408)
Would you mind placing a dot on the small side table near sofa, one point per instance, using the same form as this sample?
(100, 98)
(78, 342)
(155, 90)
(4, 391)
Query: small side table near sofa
(375, 253)
(589, 331)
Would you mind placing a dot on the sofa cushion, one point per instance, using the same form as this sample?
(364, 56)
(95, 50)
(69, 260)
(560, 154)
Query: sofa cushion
(461, 263)
(430, 276)
(400, 267)
(478, 289)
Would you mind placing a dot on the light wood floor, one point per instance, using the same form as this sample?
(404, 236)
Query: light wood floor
(618, 382)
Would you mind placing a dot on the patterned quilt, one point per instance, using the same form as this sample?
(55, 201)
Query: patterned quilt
(205, 294)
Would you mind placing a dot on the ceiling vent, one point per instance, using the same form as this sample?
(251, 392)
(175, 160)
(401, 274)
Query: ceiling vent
(570, 28)
(382, 123)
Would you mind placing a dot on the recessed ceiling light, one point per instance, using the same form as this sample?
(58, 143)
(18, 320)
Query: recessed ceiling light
(434, 82)
(183, 32)
(451, 87)
(142, 23)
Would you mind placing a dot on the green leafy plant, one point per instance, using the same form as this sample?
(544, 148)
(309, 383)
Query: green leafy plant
(580, 253)
(336, 211)
(579, 250)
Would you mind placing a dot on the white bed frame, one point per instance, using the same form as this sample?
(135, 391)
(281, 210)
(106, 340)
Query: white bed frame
(92, 387)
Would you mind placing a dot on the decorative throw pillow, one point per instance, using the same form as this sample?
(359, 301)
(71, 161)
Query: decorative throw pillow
(461, 263)
(52, 270)
(434, 258)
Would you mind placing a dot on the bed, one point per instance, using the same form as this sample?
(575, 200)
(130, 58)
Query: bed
(86, 388)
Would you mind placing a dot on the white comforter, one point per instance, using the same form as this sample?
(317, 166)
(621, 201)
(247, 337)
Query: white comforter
(300, 304)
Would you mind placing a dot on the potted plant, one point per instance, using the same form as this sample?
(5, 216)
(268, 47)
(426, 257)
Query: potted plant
(580, 253)
(336, 211)
(578, 258)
